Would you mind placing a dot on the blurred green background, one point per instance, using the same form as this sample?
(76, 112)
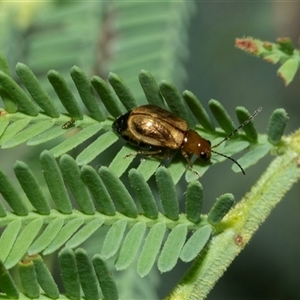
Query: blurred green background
(192, 45)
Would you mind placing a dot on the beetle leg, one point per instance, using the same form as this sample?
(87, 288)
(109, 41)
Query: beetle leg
(130, 154)
(145, 152)
(185, 155)
(167, 153)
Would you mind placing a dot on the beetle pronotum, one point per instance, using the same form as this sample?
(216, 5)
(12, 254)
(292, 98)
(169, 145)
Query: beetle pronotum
(156, 130)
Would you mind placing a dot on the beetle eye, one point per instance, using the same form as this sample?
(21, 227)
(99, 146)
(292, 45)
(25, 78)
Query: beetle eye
(203, 155)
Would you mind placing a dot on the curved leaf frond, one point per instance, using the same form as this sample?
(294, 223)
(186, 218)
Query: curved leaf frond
(46, 125)
(69, 227)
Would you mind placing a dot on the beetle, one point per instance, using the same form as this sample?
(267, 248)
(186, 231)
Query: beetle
(68, 124)
(157, 131)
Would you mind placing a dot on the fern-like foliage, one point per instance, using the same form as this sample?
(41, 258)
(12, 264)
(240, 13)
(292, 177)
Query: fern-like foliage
(101, 198)
(100, 37)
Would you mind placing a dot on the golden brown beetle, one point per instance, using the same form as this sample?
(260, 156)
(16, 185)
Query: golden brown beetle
(155, 131)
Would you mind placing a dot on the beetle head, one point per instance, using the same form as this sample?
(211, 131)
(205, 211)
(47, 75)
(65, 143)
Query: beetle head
(193, 143)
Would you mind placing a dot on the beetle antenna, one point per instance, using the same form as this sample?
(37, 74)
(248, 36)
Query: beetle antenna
(230, 159)
(238, 128)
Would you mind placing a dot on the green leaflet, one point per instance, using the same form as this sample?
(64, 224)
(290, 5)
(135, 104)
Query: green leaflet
(98, 190)
(113, 239)
(55, 182)
(220, 208)
(76, 140)
(118, 191)
(194, 201)
(148, 167)
(221, 116)
(172, 248)
(13, 128)
(35, 89)
(130, 246)
(65, 94)
(87, 275)
(144, 194)
(276, 125)
(48, 135)
(69, 273)
(44, 278)
(84, 233)
(107, 283)
(46, 236)
(249, 129)
(167, 193)
(8, 238)
(96, 148)
(32, 188)
(122, 160)
(175, 101)
(288, 70)
(198, 110)
(28, 133)
(11, 195)
(87, 95)
(64, 234)
(71, 174)
(150, 88)
(252, 157)
(195, 244)
(29, 279)
(17, 95)
(7, 284)
(123, 92)
(150, 249)
(112, 104)
(22, 243)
